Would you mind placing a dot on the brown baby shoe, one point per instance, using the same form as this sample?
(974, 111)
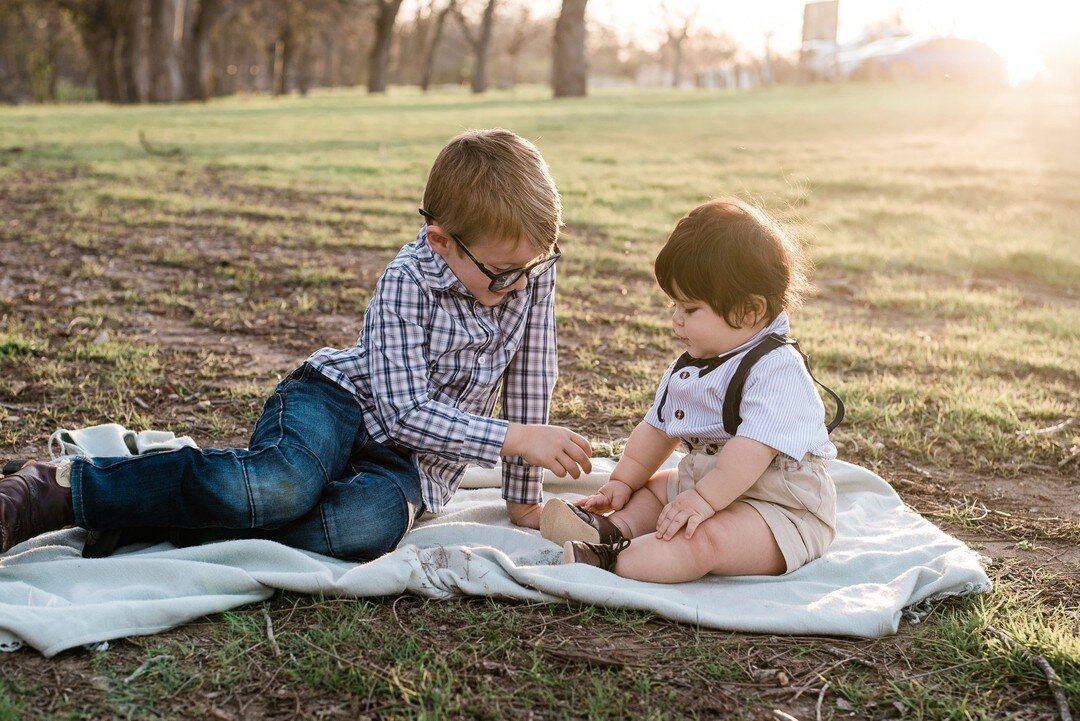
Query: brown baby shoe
(561, 522)
(601, 555)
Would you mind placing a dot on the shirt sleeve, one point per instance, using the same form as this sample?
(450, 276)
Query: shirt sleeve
(653, 416)
(395, 332)
(781, 407)
(527, 387)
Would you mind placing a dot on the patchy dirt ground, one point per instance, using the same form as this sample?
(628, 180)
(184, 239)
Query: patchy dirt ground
(222, 317)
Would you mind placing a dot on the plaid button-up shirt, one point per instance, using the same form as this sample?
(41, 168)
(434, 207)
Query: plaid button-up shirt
(428, 365)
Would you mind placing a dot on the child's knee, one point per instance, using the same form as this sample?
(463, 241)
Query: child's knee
(282, 484)
(374, 530)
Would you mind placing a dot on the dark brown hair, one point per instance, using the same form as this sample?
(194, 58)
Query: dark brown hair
(725, 252)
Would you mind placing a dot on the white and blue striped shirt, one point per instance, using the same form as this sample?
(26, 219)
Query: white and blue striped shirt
(780, 406)
(428, 364)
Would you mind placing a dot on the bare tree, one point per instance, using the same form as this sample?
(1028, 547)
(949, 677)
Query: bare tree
(99, 23)
(379, 65)
(165, 77)
(480, 42)
(677, 26)
(204, 17)
(521, 36)
(569, 66)
(433, 47)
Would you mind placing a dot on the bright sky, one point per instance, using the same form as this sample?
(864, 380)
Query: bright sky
(1020, 30)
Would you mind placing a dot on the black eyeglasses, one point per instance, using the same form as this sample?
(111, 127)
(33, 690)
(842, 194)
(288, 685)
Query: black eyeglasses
(505, 279)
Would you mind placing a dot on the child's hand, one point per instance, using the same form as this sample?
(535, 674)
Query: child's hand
(611, 496)
(688, 509)
(555, 448)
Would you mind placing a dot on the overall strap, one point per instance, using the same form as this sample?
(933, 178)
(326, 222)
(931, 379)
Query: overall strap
(734, 394)
(840, 410)
(705, 366)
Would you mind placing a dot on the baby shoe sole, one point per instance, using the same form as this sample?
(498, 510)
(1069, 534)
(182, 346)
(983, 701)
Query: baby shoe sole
(560, 524)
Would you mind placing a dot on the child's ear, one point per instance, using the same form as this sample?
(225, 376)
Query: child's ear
(755, 310)
(439, 241)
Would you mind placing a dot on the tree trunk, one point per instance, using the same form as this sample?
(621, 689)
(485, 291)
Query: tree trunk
(331, 75)
(429, 62)
(676, 65)
(483, 48)
(198, 70)
(569, 65)
(282, 51)
(129, 49)
(379, 65)
(99, 37)
(41, 50)
(139, 51)
(165, 80)
(303, 61)
(99, 27)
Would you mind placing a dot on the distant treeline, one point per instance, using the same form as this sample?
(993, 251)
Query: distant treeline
(137, 51)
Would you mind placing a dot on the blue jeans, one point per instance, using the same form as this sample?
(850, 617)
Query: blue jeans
(311, 478)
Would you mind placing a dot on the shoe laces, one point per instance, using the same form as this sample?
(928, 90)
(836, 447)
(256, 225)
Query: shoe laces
(609, 553)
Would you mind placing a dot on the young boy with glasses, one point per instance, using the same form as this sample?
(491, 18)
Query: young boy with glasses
(356, 443)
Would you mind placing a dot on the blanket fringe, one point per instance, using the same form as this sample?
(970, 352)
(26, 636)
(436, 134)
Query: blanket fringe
(917, 612)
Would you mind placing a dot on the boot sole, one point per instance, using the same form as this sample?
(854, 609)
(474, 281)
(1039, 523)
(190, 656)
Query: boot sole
(568, 555)
(14, 466)
(558, 523)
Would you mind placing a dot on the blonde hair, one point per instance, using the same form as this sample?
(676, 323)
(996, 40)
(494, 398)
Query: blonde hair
(494, 183)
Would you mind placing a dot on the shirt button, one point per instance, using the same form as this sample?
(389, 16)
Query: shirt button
(481, 360)
(679, 414)
(684, 375)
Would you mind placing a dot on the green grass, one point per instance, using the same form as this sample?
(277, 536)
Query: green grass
(944, 223)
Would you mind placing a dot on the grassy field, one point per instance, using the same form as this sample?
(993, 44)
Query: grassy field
(169, 283)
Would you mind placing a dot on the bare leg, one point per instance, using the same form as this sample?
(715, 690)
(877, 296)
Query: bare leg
(734, 542)
(641, 512)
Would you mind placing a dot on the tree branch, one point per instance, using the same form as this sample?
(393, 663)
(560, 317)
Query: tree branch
(1052, 679)
(465, 29)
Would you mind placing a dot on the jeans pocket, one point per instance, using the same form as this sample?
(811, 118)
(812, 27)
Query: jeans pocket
(299, 374)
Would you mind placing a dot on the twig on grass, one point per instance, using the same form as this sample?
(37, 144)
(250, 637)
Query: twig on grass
(569, 654)
(270, 633)
(393, 608)
(820, 699)
(840, 653)
(1052, 679)
(1069, 458)
(145, 665)
(1049, 430)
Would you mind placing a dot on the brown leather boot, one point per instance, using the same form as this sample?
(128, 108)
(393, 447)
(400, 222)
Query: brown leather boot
(601, 555)
(32, 503)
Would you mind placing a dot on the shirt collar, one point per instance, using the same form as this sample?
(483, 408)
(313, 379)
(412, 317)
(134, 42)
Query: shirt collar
(436, 272)
(779, 325)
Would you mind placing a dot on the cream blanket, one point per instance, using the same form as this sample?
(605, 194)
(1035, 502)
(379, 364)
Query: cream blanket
(885, 560)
